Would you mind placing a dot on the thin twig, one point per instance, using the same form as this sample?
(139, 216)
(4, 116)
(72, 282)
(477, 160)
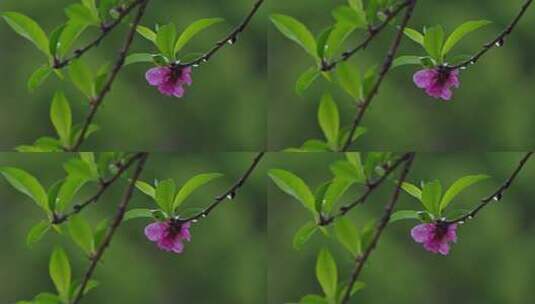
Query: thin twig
(112, 228)
(105, 30)
(362, 258)
(496, 195)
(230, 39)
(497, 42)
(229, 194)
(372, 34)
(103, 186)
(386, 67)
(370, 187)
(95, 104)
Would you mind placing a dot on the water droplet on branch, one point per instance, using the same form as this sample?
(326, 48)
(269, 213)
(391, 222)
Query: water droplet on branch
(232, 40)
(500, 42)
(231, 195)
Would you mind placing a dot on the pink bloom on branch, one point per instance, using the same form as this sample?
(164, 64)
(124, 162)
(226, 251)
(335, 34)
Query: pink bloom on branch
(169, 80)
(169, 236)
(435, 237)
(437, 82)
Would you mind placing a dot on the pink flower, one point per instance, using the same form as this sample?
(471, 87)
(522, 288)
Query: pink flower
(169, 80)
(437, 81)
(435, 237)
(169, 236)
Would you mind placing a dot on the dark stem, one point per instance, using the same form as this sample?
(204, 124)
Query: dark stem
(117, 220)
(370, 187)
(389, 208)
(386, 67)
(498, 41)
(231, 38)
(97, 101)
(105, 30)
(229, 194)
(372, 33)
(496, 195)
(103, 186)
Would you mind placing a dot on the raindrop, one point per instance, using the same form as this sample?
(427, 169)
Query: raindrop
(470, 217)
(499, 43)
(472, 61)
(497, 197)
(196, 65)
(204, 60)
(463, 67)
(232, 40)
(194, 221)
(461, 222)
(231, 195)
(203, 215)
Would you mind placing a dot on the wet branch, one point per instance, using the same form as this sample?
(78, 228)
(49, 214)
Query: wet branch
(105, 30)
(97, 101)
(229, 194)
(117, 220)
(386, 67)
(103, 186)
(230, 39)
(496, 195)
(362, 258)
(370, 188)
(498, 41)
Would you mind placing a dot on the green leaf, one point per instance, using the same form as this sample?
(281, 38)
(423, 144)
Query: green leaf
(414, 35)
(60, 114)
(137, 213)
(329, 120)
(79, 168)
(37, 232)
(306, 79)
(54, 39)
(91, 284)
(147, 33)
(68, 190)
(458, 186)
(146, 188)
(431, 195)
(303, 234)
(412, 190)
(349, 79)
(336, 39)
(81, 233)
(294, 186)
(311, 299)
(82, 77)
(347, 15)
(345, 170)
(38, 77)
(404, 215)
(100, 231)
(433, 40)
(356, 4)
(138, 57)
(165, 193)
(326, 273)
(295, 31)
(60, 272)
(191, 185)
(165, 40)
(322, 41)
(406, 60)
(68, 36)
(29, 29)
(461, 31)
(27, 184)
(334, 191)
(193, 29)
(81, 14)
(348, 235)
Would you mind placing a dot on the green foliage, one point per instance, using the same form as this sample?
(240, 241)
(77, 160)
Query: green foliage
(29, 29)
(38, 77)
(146, 188)
(353, 16)
(348, 235)
(81, 233)
(329, 120)
(294, 186)
(461, 31)
(404, 215)
(82, 14)
(165, 193)
(306, 79)
(165, 40)
(82, 77)
(327, 274)
(26, 183)
(137, 213)
(60, 272)
(295, 31)
(61, 117)
(193, 29)
(433, 41)
(37, 232)
(191, 185)
(304, 234)
(349, 80)
(458, 186)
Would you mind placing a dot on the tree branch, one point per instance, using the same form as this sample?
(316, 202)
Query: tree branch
(103, 186)
(497, 42)
(95, 104)
(386, 67)
(496, 195)
(112, 228)
(373, 32)
(361, 259)
(105, 30)
(229, 194)
(370, 187)
(231, 38)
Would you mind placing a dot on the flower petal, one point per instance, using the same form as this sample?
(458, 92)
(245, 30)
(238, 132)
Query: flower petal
(424, 78)
(178, 91)
(167, 89)
(446, 93)
(422, 233)
(444, 248)
(166, 244)
(453, 79)
(178, 246)
(156, 231)
(157, 76)
(451, 235)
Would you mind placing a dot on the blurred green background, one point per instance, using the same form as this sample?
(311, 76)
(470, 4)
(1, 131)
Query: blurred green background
(492, 110)
(224, 263)
(224, 109)
(491, 263)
